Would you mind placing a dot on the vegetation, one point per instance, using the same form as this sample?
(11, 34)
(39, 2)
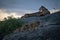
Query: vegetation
(9, 25)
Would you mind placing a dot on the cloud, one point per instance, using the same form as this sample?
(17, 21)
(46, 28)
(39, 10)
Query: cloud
(16, 13)
(4, 14)
(54, 10)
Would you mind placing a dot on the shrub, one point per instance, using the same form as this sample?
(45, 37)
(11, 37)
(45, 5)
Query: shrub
(8, 25)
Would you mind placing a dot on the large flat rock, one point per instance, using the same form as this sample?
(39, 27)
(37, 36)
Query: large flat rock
(49, 29)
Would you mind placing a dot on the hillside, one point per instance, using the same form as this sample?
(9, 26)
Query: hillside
(38, 26)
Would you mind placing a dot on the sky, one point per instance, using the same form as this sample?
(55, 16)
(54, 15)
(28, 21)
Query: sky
(18, 8)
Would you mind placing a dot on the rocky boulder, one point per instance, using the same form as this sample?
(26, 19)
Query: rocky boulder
(31, 26)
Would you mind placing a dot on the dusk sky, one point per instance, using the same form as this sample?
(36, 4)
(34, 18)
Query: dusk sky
(20, 7)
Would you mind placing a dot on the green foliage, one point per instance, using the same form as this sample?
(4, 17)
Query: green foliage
(9, 25)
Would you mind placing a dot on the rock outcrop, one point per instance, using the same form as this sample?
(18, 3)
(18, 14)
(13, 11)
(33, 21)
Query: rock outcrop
(42, 12)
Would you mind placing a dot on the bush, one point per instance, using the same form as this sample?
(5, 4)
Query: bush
(9, 25)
